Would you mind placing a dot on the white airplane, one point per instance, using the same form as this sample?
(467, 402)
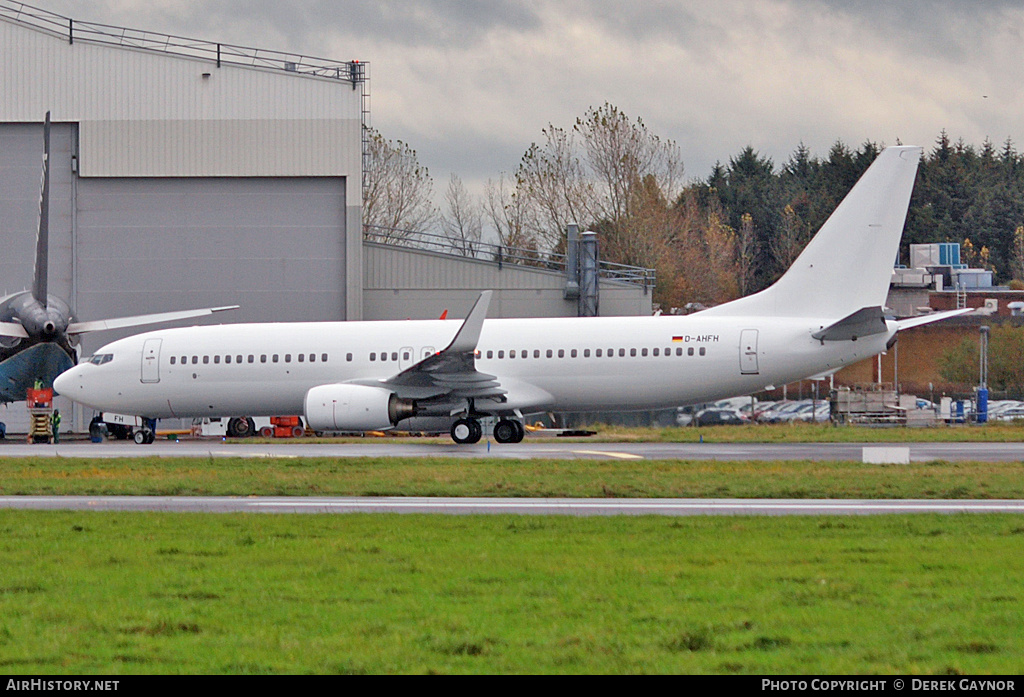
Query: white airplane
(823, 314)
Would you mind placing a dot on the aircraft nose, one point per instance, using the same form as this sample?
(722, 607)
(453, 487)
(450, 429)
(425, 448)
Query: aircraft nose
(68, 383)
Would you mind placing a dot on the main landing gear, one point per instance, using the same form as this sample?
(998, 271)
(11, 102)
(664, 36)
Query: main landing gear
(466, 431)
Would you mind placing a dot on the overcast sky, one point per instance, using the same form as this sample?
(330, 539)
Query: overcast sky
(470, 84)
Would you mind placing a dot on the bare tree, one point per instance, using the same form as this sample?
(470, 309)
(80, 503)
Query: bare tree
(506, 211)
(789, 240)
(620, 155)
(397, 199)
(554, 187)
(746, 253)
(462, 222)
(1017, 254)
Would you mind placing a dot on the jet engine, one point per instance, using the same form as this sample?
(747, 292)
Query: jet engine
(344, 407)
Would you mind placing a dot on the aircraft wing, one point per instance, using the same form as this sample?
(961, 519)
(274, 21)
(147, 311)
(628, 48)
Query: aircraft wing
(138, 320)
(451, 372)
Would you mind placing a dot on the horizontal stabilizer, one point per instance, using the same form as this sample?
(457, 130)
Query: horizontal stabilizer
(933, 317)
(866, 321)
(139, 320)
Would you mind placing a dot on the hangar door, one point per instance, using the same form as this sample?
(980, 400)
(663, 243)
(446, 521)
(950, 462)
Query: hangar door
(273, 245)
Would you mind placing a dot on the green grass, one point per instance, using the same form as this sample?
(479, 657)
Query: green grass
(114, 593)
(498, 477)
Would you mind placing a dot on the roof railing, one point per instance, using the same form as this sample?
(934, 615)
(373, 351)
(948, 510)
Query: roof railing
(219, 54)
(502, 254)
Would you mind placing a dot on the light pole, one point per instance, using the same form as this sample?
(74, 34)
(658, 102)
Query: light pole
(983, 376)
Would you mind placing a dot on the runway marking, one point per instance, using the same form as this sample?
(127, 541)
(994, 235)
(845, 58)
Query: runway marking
(621, 456)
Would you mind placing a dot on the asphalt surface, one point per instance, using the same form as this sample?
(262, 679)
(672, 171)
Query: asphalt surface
(373, 447)
(510, 506)
(916, 452)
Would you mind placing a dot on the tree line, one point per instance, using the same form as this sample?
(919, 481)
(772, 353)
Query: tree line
(710, 240)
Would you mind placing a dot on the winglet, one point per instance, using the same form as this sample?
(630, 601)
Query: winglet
(39, 283)
(469, 333)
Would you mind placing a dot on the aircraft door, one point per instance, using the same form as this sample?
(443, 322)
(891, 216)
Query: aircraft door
(151, 360)
(748, 352)
(406, 357)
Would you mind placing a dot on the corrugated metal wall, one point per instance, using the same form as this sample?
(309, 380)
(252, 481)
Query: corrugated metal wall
(143, 113)
(403, 283)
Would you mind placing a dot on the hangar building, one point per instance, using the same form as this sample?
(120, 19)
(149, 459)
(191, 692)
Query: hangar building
(189, 174)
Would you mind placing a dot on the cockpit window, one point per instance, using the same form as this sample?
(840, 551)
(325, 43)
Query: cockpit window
(101, 358)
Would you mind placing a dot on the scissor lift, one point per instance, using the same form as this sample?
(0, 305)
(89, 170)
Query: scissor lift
(40, 409)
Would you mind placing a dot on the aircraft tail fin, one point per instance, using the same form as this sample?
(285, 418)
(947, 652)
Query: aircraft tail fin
(848, 264)
(39, 282)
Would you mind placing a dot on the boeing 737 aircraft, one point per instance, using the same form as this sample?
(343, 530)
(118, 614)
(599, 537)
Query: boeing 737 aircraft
(823, 314)
(37, 330)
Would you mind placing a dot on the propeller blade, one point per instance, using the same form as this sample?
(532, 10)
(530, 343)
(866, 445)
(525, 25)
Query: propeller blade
(139, 320)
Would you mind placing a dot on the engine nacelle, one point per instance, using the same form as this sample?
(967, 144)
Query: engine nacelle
(343, 407)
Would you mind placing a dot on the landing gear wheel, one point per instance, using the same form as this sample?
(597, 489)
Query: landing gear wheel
(145, 436)
(520, 431)
(508, 431)
(466, 431)
(241, 427)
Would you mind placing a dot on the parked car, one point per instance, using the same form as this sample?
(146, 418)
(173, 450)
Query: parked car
(719, 417)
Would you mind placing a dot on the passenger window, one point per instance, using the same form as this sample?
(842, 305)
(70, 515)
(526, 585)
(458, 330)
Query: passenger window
(512, 353)
(206, 360)
(573, 353)
(689, 351)
(405, 355)
(622, 353)
(172, 360)
(702, 350)
(263, 358)
(586, 353)
(679, 351)
(536, 353)
(252, 358)
(348, 357)
(323, 357)
(524, 354)
(195, 359)
(490, 354)
(302, 358)
(550, 353)
(238, 359)
(561, 353)
(274, 358)
(184, 360)
(598, 353)
(643, 352)
(312, 358)
(227, 359)
(656, 352)
(632, 353)
(394, 355)
(501, 354)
